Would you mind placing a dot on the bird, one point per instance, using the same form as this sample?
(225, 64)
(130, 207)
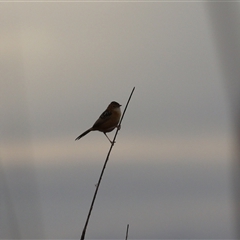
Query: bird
(107, 121)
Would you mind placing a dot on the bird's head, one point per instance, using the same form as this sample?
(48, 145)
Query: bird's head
(114, 105)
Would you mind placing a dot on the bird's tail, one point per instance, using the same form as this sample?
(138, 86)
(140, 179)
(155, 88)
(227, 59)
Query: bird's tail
(83, 134)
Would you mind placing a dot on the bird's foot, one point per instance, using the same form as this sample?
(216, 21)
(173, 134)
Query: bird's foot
(112, 142)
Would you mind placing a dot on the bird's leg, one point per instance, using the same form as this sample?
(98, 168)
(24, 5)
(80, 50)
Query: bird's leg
(109, 138)
(118, 127)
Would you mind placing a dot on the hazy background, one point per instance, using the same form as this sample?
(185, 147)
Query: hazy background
(169, 175)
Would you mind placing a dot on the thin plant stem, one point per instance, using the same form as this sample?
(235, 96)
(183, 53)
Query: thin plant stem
(127, 232)
(104, 166)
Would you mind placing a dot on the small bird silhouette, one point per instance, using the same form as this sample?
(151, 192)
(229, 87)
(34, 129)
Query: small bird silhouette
(107, 121)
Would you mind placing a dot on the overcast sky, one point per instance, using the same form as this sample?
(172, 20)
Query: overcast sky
(169, 174)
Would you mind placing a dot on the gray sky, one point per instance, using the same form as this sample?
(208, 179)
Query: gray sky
(169, 175)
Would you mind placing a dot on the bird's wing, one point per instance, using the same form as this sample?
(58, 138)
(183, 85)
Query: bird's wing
(105, 116)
